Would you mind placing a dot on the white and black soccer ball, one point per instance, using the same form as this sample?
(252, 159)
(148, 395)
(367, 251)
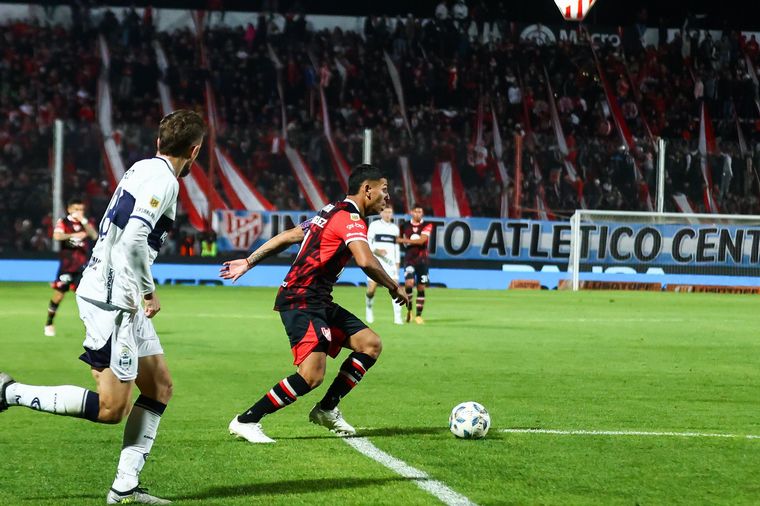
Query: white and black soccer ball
(469, 420)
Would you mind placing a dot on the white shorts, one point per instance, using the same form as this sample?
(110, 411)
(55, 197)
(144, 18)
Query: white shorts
(390, 270)
(116, 338)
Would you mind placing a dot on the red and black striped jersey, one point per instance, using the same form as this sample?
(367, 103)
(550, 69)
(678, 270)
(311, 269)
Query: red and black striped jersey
(323, 255)
(74, 252)
(416, 254)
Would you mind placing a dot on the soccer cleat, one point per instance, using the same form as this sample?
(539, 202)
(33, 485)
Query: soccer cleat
(332, 419)
(137, 495)
(370, 315)
(251, 432)
(418, 320)
(398, 321)
(50, 330)
(5, 382)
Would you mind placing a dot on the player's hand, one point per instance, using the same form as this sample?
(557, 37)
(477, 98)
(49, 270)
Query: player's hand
(234, 269)
(381, 252)
(79, 235)
(151, 304)
(401, 240)
(399, 295)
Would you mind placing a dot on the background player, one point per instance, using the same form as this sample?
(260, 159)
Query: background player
(121, 345)
(317, 326)
(73, 231)
(382, 235)
(414, 236)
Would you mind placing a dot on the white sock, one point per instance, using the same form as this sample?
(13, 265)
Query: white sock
(370, 301)
(66, 400)
(139, 434)
(396, 311)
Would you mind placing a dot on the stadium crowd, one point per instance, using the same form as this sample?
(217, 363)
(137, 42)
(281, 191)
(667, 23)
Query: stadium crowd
(447, 66)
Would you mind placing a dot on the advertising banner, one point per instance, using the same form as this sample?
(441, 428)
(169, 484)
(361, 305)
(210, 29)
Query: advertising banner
(641, 246)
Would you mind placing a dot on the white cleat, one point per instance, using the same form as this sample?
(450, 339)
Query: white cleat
(398, 321)
(370, 316)
(332, 419)
(5, 381)
(251, 432)
(135, 496)
(49, 330)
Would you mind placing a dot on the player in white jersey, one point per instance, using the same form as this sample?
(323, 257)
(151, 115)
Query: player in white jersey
(116, 300)
(382, 235)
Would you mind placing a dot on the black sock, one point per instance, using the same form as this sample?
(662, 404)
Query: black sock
(351, 373)
(283, 393)
(420, 301)
(409, 290)
(52, 308)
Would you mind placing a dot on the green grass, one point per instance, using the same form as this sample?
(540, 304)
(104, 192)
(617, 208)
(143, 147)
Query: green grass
(556, 360)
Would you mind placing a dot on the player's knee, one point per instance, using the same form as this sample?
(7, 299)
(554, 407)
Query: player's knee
(113, 413)
(373, 347)
(164, 392)
(313, 380)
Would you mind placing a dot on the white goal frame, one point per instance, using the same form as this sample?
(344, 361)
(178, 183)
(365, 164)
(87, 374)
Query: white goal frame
(573, 266)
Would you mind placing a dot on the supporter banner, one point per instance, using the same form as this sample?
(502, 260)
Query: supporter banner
(608, 244)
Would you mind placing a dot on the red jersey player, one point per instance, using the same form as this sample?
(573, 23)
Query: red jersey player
(315, 324)
(73, 232)
(415, 235)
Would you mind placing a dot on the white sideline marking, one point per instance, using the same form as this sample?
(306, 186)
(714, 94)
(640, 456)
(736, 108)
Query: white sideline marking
(628, 433)
(420, 478)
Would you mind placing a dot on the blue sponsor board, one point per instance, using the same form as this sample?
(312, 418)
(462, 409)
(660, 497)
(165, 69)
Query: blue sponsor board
(607, 244)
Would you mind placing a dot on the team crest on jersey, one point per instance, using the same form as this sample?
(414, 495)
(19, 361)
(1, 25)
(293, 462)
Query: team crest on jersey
(125, 358)
(355, 217)
(154, 201)
(326, 332)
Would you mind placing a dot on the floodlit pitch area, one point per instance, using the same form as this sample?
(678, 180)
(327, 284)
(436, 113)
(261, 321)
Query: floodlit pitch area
(640, 397)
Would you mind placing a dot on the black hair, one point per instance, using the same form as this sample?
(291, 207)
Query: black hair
(73, 201)
(362, 173)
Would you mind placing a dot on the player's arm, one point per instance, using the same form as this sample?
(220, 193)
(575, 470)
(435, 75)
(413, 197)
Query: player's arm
(91, 232)
(234, 269)
(421, 241)
(135, 242)
(371, 266)
(59, 233)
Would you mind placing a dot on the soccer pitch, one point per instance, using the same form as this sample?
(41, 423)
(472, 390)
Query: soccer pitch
(670, 381)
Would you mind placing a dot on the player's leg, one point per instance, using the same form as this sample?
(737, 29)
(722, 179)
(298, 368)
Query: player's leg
(155, 384)
(366, 347)
(309, 350)
(409, 276)
(396, 308)
(108, 405)
(422, 282)
(59, 290)
(370, 300)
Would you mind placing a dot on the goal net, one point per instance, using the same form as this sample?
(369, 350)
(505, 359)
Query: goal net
(666, 248)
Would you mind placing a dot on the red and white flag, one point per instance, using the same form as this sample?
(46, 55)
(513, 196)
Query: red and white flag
(501, 170)
(242, 194)
(448, 195)
(624, 132)
(706, 148)
(339, 163)
(574, 10)
(407, 182)
(478, 154)
(307, 183)
(110, 145)
(393, 71)
(240, 228)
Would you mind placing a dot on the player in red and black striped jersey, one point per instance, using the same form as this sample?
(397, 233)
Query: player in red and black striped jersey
(74, 232)
(315, 324)
(414, 236)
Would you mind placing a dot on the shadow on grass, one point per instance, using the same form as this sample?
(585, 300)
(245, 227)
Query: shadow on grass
(380, 432)
(289, 487)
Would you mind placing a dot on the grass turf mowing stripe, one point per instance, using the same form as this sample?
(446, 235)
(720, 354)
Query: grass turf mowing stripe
(628, 433)
(420, 478)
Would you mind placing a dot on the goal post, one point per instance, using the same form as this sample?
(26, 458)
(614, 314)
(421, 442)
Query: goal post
(674, 248)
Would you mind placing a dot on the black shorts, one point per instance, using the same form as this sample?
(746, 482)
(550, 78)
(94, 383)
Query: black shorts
(319, 329)
(418, 272)
(65, 281)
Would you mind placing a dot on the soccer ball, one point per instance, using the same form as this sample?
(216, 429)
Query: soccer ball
(469, 420)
